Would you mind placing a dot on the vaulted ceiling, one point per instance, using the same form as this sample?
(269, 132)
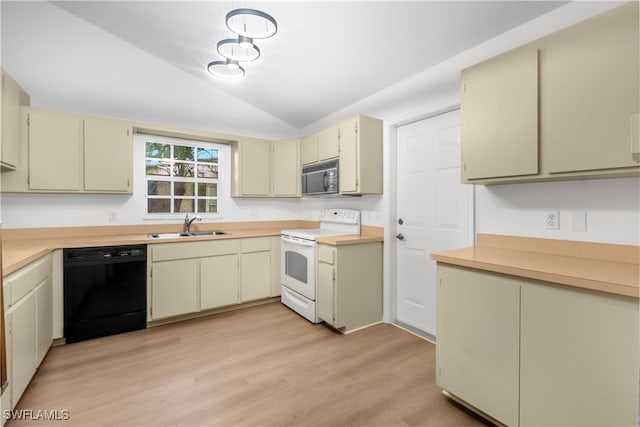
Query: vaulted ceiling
(326, 55)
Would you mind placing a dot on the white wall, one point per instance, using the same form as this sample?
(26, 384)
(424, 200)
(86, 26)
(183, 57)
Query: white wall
(612, 207)
(63, 210)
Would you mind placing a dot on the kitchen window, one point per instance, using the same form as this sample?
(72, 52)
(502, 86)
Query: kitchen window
(181, 177)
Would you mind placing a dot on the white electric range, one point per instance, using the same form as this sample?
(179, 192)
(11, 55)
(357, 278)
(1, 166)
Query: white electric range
(299, 259)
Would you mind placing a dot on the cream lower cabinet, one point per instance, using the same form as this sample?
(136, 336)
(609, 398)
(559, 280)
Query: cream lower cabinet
(255, 268)
(219, 281)
(190, 277)
(534, 353)
(578, 357)
(349, 285)
(28, 295)
(174, 288)
(261, 168)
(477, 351)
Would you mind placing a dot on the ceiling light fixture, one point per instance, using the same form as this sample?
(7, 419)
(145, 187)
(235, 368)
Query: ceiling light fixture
(235, 49)
(229, 69)
(251, 23)
(248, 24)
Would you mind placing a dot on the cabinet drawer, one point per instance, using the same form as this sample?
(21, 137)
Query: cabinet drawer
(259, 244)
(43, 267)
(171, 251)
(20, 283)
(326, 254)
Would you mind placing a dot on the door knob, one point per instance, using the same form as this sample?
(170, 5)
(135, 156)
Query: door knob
(399, 236)
(400, 221)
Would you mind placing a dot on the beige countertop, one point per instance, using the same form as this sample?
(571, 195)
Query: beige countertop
(22, 246)
(598, 266)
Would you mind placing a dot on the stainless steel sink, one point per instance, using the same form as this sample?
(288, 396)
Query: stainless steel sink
(156, 236)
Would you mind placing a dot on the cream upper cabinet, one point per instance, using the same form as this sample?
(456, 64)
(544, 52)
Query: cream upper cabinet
(360, 156)
(250, 168)
(55, 151)
(309, 149)
(590, 93)
(499, 116)
(13, 97)
(328, 143)
(70, 153)
(261, 168)
(349, 285)
(285, 170)
(320, 146)
(561, 107)
(108, 155)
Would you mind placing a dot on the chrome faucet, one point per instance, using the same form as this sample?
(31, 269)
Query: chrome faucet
(188, 221)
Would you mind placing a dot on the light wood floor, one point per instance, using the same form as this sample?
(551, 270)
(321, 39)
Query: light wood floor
(262, 366)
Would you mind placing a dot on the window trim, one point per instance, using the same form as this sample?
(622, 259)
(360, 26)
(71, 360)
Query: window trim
(145, 178)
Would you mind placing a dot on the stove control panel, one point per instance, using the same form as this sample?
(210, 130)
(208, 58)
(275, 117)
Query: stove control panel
(340, 216)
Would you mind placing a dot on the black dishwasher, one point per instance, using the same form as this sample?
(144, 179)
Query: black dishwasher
(105, 291)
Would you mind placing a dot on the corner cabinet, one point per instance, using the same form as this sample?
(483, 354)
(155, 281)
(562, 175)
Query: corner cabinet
(562, 107)
(28, 299)
(261, 168)
(68, 153)
(550, 354)
(192, 277)
(349, 285)
(13, 98)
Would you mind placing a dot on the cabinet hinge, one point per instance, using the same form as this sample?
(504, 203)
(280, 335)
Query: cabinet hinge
(128, 183)
(28, 119)
(127, 132)
(333, 275)
(29, 180)
(151, 273)
(356, 128)
(464, 167)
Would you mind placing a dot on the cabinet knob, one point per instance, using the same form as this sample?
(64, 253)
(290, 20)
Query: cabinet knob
(399, 236)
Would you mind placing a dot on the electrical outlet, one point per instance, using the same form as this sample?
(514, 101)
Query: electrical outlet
(113, 216)
(552, 220)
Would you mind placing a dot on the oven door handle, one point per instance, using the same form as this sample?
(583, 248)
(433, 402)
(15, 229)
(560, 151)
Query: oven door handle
(296, 241)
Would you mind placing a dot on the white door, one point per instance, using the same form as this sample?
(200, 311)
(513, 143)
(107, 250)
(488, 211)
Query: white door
(435, 212)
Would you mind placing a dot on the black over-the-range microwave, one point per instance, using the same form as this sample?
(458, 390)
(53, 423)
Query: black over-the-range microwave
(320, 179)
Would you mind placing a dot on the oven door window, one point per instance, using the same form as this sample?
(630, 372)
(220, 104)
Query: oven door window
(295, 266)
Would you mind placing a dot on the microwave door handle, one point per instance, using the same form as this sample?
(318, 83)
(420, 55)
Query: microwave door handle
(325, 180)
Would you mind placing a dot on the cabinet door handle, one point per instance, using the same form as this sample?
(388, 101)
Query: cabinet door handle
(399, 236)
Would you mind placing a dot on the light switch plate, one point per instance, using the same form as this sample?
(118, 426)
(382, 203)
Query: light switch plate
(579, 221)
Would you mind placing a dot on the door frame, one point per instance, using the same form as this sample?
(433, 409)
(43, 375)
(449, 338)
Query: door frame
(391, 248)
